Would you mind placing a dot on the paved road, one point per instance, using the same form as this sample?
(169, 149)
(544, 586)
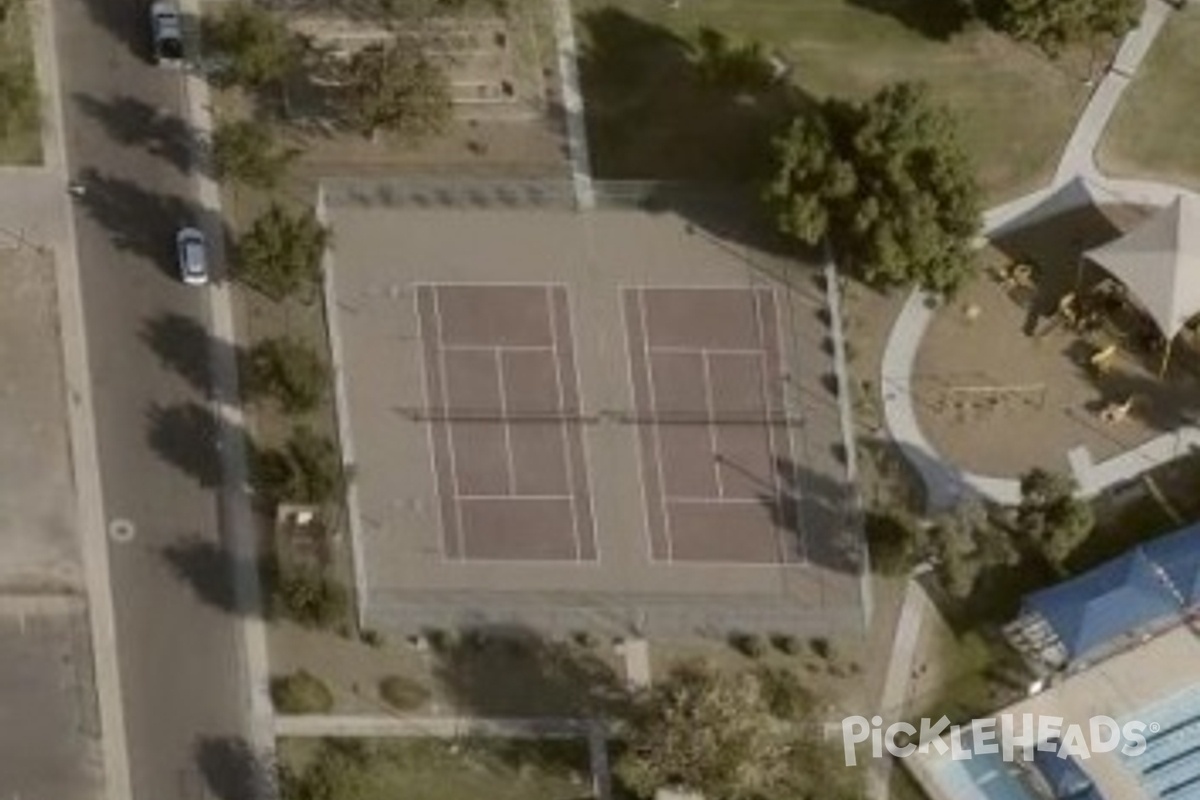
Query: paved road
(178, 645)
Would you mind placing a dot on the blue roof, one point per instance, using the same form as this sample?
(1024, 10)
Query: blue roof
(1178, 554)
(1116, 598)
(1158, 579)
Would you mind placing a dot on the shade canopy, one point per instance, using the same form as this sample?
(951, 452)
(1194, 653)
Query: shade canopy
(1159, 263)
(1125, 596)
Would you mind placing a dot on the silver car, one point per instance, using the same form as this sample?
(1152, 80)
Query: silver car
(193, 256)
(166, 31)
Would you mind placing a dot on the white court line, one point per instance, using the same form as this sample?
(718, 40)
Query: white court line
(585, 452)
(785, 369)
(712, 429)
(556, 497)
(717, 351)
(429, 426)
(624, 292)
(437, 313)
(764, 387)
(662, 484)
(716, 501)
(562, 427)
(508, 451)
(483, 348)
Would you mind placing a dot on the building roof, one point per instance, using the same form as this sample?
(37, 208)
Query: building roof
(1159, 263)
(1123, 596)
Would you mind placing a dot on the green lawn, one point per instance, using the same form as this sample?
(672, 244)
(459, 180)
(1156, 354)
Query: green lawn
(20, 111)
(464, 769)
(648, 118)
(1153, 133)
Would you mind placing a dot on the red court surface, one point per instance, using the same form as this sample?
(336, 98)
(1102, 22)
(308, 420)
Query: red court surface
(714, 438)
(503, 403)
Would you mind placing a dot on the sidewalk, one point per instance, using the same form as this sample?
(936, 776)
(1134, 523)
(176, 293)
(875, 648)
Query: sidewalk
(946, 485)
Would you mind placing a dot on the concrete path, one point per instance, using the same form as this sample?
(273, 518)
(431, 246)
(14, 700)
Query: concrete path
(946, 485)
(1079, 158)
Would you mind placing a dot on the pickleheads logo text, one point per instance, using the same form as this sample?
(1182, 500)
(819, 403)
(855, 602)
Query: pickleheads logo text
(1006, 734)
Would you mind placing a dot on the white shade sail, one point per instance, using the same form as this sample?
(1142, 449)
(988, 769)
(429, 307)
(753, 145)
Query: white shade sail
(1159, 263)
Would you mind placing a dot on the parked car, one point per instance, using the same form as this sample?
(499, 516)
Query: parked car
(166, 32)
(193, 256)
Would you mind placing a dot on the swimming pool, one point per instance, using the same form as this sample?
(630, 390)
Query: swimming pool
(1170, 767)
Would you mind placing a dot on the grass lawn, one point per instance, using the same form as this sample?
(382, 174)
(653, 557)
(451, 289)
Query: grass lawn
(1152, 133)
(462, 769)
(20, 120)
(650, 117)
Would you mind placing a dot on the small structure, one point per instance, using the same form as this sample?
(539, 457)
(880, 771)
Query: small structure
(1151, 587)
(1159, 263)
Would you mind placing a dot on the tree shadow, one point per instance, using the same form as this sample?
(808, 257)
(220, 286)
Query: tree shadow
(186, 436)
(185, 346)
(214, 574)
(936, 19)
(515, 671)
(233, 770)
(130, 120)
(1054, 247)
(127, 22)
(656, 112)
(138, 221)
(818, 514)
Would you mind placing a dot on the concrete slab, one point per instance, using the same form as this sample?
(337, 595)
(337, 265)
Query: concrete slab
(37, 511)
(393, 237)
(49, 730)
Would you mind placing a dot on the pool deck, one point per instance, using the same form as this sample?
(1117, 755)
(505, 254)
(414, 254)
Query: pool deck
(1121, 687)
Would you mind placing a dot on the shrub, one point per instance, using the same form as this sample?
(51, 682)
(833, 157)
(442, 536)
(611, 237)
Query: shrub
(403, 694)
(821, 647)
(785, 695)
(438, 639)
(750, 645)
(785, 643)
(371, 637)
(287, 370)
(311, 599)
(301, 692)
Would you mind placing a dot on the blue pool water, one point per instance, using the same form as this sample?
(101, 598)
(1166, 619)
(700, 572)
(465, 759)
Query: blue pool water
(1170, 767)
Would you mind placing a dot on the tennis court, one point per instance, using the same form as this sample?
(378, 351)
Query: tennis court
(706, 374)
(503, 403)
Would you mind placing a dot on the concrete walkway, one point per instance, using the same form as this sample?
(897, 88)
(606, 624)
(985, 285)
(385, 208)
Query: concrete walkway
(947, 485)
(1079, 158)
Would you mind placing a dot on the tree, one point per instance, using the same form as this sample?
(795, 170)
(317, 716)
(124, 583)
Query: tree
(887, 182)
(281, 253)
(304, 470)
(245, 152)
(1053, 25)
(964, 543)
(309, 598)
(289, 371)
(399, 89)
(1050, 514)
(707, 732)
(730, 736)
(256, 43)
